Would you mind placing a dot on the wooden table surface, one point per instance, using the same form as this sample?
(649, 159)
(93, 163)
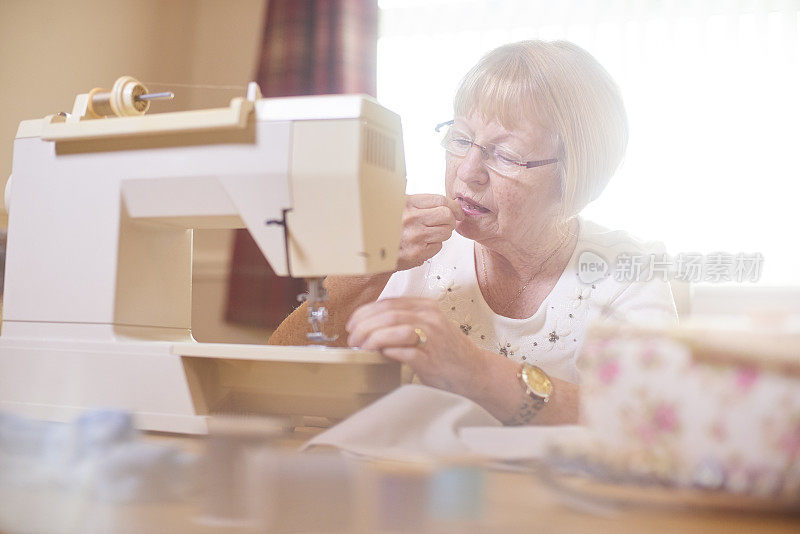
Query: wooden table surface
(515, 502)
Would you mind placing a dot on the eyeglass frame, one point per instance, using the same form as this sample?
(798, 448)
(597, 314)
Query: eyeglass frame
(485, 150)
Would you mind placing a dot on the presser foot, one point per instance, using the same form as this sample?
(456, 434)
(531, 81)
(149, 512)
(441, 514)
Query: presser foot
(317, 313)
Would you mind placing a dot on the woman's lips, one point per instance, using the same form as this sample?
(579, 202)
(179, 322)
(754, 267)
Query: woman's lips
(471, 208)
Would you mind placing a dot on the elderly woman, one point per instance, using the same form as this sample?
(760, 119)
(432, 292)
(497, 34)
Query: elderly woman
(496, 310)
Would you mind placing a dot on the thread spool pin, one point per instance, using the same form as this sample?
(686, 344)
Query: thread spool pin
(166, 95)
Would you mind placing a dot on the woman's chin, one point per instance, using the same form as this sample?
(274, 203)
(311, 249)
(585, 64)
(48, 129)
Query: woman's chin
(467, 229)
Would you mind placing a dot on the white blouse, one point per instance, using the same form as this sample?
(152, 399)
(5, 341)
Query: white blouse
(628, 289)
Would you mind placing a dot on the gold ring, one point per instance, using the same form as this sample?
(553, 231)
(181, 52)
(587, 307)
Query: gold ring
(421, 337)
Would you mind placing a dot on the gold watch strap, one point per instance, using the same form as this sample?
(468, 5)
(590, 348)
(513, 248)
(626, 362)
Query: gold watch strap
(527, 411)
(532, 404)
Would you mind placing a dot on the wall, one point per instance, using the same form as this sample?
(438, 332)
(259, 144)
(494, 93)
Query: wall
(52, 50)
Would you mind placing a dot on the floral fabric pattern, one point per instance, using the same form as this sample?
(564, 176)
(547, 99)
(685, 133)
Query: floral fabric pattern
(732, 427)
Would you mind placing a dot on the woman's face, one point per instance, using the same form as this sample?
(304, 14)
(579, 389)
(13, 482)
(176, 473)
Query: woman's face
(500, 208)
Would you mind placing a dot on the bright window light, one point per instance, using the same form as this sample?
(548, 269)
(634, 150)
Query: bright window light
(712, 91)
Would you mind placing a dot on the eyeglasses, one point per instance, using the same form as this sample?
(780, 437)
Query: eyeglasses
(498, 158)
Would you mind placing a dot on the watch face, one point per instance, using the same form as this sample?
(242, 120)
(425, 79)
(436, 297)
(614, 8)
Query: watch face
(537, 381)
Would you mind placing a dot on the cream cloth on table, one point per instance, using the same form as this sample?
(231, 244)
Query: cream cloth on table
(416, 420)
(413, 419)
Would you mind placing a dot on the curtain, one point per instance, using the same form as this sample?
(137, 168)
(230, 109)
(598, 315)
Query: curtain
(308, 47)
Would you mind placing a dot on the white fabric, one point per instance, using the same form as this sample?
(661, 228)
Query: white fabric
(510, 443)
(550, 338)
(415, 421)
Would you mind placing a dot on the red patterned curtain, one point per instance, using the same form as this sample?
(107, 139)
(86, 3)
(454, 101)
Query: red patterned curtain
(309, 47)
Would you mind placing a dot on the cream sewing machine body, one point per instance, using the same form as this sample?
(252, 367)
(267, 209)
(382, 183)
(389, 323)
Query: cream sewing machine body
(96, 311)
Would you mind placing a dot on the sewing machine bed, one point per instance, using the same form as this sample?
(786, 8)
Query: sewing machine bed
(278, 353)
(278, 380)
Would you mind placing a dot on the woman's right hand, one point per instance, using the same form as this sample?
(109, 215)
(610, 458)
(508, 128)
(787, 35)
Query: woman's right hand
(428, 221)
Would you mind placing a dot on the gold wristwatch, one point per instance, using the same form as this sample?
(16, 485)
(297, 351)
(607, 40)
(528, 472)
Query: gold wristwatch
(538, 389)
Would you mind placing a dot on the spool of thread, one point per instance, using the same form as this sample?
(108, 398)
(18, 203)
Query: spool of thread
(128, 97)
(401, 496)
(457, 493)
(227, 468)
(308, 492)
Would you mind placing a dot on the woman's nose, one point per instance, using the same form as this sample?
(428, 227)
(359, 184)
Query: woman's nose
(471, 169)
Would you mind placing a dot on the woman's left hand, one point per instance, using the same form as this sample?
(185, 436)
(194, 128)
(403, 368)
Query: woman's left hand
(441, 355)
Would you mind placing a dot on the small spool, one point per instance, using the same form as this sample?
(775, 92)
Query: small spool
(457, 493)
(402, 495)
(122, 101)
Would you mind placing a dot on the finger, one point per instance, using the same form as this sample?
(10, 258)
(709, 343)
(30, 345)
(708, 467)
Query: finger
(411, 304)
(425, 201)
(408, 304)
(432, 201)
(438, 216)
(438, 234)
(391, 337)
(404, 355)
(455, 207)
(386, 319)
(431, 249)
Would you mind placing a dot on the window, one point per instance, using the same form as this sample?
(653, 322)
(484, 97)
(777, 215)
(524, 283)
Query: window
(712, 91)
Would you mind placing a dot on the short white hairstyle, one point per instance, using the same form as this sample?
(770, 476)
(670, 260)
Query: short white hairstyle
(564, 89)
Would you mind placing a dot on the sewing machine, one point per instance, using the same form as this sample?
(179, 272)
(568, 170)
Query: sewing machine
(102, 202)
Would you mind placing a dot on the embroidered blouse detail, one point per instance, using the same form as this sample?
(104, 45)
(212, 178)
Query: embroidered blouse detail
(582, 294)
(551, 336)
(507, 349)
(559, 337)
